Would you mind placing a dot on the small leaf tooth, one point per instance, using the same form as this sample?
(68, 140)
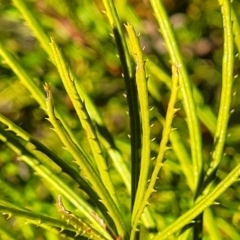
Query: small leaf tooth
(100, 220)
(178, 65)
(147, 204)
(8, 215)
(39, 223)
(74, 225)
(176, 109)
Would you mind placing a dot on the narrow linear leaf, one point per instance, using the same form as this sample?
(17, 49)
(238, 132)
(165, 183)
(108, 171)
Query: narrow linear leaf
(85, 165)
(226, 95)
(204, 112)
(162, 148)
(132, 98)
(85, 120)
(144, 113)
(188, 102)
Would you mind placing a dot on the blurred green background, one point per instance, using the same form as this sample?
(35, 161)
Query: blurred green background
(82, 31)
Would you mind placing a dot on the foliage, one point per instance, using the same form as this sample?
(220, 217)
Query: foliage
(74, 165)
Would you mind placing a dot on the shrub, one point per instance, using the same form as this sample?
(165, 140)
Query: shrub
(164, 170)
